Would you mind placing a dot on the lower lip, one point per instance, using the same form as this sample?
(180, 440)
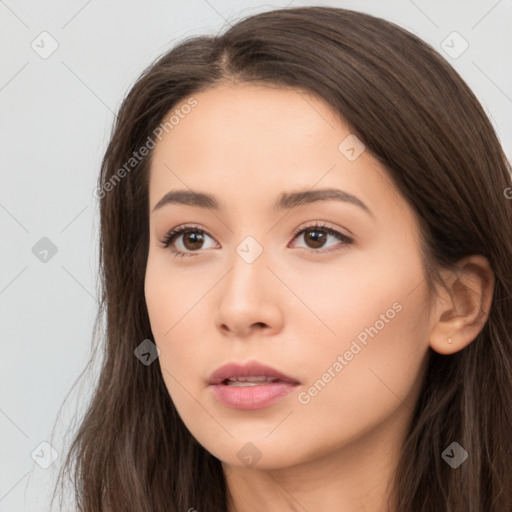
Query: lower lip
(252, 397)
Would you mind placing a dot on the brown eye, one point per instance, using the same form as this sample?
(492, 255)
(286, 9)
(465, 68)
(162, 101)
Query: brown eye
(189, 239)
(316, 236)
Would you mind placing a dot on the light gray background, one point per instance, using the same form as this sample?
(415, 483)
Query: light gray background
(55, 119)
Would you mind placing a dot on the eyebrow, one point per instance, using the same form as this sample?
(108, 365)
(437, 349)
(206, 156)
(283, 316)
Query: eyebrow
(285, 201)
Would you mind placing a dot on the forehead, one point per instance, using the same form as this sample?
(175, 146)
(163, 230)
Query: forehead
(252, 119)
(249, 142)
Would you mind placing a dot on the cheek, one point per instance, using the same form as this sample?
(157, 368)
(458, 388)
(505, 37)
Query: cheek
(341, 297)
(373, 362)
(158, 297)
(174, 299)
(169, 292)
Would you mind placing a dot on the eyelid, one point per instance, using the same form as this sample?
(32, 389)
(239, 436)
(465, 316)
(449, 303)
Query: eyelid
(319, 225)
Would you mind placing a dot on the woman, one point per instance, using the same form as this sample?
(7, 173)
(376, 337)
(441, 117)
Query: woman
(335, 333)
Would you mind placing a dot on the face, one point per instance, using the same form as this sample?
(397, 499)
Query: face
(328, 291)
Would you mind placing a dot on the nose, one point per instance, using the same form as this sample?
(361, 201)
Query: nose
(247, 299)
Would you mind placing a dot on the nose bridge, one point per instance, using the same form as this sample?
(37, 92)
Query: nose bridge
(247, 290)
(248, 268)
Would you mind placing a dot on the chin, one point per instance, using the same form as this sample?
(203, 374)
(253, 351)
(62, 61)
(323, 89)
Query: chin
(259, 453)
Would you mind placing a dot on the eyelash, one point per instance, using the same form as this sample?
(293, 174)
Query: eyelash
(186, 228)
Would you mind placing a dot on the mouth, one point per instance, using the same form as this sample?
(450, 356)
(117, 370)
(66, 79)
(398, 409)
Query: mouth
(251, 386)
(252, 373)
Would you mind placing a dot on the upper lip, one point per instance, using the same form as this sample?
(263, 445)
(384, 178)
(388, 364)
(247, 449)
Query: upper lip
(251, 369)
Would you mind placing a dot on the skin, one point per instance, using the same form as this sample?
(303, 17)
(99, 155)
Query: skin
(291, 309)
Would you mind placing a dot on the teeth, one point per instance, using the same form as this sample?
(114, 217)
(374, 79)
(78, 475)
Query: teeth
(240, 384)
(249, 381)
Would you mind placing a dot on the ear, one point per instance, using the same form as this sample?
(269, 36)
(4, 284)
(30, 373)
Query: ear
(461, 310)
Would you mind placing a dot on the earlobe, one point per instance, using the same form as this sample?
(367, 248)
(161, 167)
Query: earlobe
(463, 307)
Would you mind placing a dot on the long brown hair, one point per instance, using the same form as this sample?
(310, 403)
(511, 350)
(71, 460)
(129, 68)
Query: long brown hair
(416, 116)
